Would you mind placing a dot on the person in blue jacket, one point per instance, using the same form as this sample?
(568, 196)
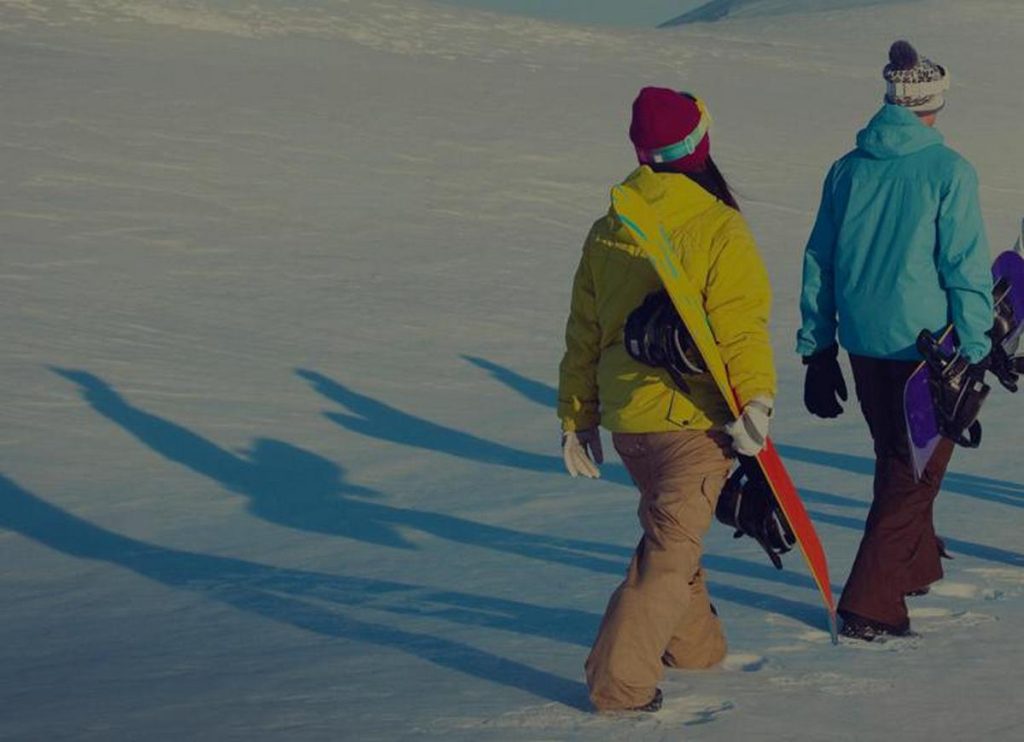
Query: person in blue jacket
(898, 246)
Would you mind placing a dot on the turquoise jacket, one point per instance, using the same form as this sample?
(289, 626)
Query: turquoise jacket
(898, 246)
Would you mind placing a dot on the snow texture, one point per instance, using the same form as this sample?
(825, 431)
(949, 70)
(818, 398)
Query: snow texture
(592, 12)
(716, 10)
(283, 289)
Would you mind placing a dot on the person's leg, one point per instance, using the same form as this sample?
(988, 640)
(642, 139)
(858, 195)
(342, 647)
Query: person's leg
(899, 552)
(679, 476)
(698, 640)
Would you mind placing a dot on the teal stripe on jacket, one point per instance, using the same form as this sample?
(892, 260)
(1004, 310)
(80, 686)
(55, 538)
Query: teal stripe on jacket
(898, 245)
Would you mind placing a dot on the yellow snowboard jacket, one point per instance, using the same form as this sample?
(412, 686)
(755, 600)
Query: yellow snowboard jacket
(599, 383)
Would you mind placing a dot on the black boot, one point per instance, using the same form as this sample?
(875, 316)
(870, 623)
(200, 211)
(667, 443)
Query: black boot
(653, 705)
(858, 627)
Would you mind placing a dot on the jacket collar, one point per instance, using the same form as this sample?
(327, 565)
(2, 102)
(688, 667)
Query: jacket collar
(894, 132)
(674, 196)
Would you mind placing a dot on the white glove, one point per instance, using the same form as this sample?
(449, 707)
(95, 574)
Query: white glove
(750, 430)
(582, 451)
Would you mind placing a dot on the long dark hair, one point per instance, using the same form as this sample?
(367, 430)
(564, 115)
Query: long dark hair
(712, 181)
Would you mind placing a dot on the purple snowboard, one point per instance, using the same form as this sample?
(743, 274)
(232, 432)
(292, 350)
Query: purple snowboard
(922, 423)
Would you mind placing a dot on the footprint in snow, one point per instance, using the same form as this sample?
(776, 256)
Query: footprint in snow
(931, 620)
(743, 662)
(1007, 575)
(954, 590)
(708, 714)
(832, 683)
(924, 622)
(1000, 582)
(689, 710)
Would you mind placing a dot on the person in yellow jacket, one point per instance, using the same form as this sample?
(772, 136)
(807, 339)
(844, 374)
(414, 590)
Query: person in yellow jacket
(677, 443)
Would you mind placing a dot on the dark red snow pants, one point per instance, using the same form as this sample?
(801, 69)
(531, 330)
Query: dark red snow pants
(899, 552)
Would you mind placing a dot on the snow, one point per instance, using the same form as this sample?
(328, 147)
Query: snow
(592, 12)
(716, 10)
(283, 293)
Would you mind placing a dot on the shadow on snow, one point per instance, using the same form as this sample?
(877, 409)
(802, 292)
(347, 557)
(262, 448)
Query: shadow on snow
(983, 488)
(302, 598)
(382, 421)
(292, 487)
(376, 419)
(296, 488)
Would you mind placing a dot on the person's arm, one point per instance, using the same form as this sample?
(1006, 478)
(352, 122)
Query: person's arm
(817, 298)
(578, 406)
(738, 299)
(963, 262)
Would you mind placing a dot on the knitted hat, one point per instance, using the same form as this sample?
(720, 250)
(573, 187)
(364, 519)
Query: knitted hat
(913, 82)
(670, 130)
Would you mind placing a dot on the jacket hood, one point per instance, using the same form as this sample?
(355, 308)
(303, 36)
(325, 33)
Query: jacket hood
(673, 195)
(894, 132)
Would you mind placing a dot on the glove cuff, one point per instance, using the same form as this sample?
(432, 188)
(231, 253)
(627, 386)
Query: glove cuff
(764, 404)
(826, 354)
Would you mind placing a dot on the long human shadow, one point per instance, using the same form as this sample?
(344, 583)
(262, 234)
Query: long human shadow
(383, 421)
(535, 391)
(376, 419)
(955, 545)
(994, 490)
(1002, 491)
(296, 488)
(298, 597)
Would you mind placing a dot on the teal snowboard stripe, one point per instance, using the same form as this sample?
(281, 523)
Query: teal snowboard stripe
(632, 225)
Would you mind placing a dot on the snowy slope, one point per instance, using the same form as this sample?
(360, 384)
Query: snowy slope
(592, 12)
(718, 9)
(283, 291)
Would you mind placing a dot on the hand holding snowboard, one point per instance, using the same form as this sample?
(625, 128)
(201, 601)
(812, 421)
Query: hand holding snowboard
(750, 430)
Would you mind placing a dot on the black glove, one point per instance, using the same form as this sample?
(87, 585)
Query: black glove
(823, 383)
(748, 505)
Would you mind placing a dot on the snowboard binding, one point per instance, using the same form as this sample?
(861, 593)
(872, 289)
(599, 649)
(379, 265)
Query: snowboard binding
(655, 336)
(958, 391)
(1004, 363)
(748, 505)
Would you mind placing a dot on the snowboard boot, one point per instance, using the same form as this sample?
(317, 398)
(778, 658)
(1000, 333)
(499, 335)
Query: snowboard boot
(653, 705)
(864, 629)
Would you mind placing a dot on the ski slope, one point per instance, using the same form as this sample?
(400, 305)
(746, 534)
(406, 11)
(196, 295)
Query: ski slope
(590, 12)
(283, 289)
(716, 10)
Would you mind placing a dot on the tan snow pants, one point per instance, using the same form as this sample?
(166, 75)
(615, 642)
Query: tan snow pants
(661, 614)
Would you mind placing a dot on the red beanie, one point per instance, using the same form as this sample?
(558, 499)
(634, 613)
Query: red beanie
(661, 118)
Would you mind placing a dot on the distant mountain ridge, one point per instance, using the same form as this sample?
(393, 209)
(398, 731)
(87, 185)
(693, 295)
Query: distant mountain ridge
(716, 10)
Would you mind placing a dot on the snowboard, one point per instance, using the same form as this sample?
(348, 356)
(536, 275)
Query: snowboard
(922, 420)
(641, 220)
